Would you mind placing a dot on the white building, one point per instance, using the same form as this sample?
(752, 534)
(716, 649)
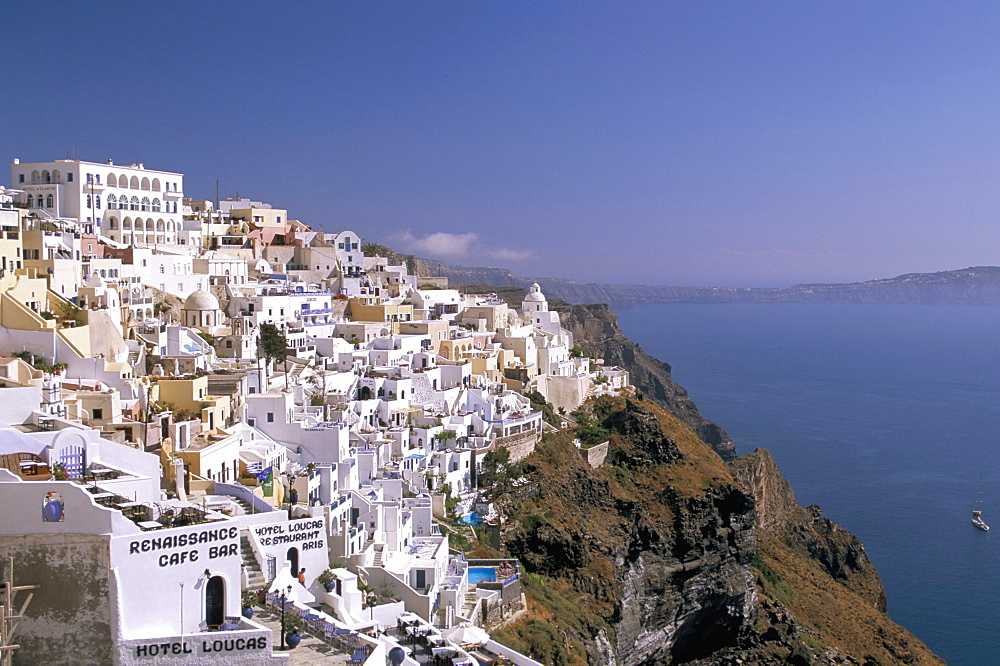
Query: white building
(125, 577)
(128, 204)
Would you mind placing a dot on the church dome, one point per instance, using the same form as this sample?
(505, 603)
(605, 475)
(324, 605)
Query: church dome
(201, 300)
(534, 293)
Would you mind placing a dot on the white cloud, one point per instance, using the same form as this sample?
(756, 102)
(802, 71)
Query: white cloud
(439, 243)
(444, 244)
(780, 252)
(506, 254)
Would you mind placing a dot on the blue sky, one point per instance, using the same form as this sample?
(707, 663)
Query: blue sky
(685, 143)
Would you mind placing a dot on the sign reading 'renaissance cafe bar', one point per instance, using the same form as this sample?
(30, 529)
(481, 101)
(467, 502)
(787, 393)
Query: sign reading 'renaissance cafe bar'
(175, 549)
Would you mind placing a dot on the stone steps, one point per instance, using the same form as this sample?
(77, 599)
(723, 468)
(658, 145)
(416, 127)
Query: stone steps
(247, 506)
(255, 576)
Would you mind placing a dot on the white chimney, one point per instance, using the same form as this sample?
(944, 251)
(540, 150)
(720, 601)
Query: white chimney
(179, 479)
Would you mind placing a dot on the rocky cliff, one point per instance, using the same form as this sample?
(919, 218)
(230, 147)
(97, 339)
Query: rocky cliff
(595, 328)
(668, 555)
(645, 560)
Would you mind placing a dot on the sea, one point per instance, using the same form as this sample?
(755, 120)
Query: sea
(886, 416)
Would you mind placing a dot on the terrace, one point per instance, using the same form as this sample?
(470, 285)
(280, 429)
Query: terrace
(154, 515)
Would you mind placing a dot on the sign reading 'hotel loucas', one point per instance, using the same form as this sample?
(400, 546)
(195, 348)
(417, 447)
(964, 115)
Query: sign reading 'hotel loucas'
(307, 534)
(202, 647)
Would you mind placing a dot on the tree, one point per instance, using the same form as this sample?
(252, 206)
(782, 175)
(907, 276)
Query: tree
(499, 473)
(590, 430)
(375, 250)
(272, 344)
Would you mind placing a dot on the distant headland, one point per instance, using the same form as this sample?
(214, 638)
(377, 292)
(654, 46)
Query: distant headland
(977, 285)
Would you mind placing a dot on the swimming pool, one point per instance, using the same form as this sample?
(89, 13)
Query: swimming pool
(482, 575)
(473, 519)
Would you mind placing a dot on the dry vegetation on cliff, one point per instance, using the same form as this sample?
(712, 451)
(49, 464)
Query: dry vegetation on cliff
(666, 554)
(643, 559)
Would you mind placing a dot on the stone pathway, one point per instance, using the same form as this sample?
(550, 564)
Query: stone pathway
(310, 651)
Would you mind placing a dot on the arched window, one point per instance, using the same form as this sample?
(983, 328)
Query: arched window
(34, 176)
(127, 223)
(48, 201)
(46, 176)
(112, 223)
(159, 225)
(145, 183)
(144, 205)
(170, 225)
(156, 184)
(55, 176)
(134, 183)
(112, 202)
(134, 203)
(149, 224)
(215, 602)
(156, 205)
(31, 201)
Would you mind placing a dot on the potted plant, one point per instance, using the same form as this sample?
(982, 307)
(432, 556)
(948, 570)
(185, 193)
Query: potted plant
(327, 579)
(249, 599)
(292, 624)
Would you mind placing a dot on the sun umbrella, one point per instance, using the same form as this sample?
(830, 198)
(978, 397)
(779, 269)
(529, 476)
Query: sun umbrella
(466, 635)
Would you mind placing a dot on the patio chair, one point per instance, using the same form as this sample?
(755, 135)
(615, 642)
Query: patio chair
(318, 625)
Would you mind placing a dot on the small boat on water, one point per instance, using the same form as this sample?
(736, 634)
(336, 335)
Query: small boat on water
(977, 520)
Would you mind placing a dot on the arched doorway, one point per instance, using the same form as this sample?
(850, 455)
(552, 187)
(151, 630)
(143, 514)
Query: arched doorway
(293, 560)
(215, 601)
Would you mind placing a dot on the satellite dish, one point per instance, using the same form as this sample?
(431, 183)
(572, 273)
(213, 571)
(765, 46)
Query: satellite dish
(396, 656)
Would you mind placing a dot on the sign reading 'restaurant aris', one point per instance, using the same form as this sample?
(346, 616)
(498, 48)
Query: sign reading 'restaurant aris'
(306, 534)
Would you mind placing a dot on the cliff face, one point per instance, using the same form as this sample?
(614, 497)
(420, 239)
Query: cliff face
(595, 328)
(818, 589)
(653, 550)
(667, 555)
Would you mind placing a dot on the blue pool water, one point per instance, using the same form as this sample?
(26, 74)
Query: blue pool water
(472, 519)
(482, 575)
